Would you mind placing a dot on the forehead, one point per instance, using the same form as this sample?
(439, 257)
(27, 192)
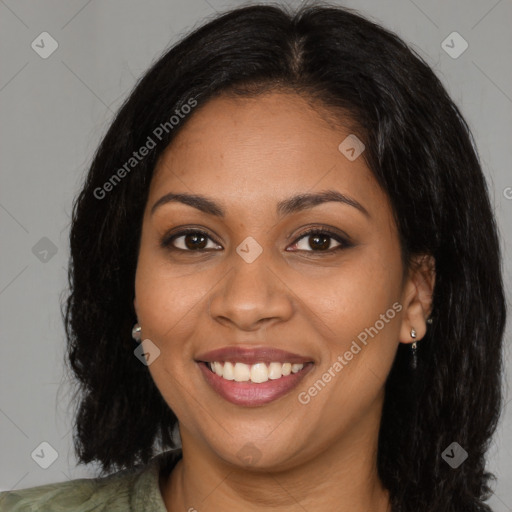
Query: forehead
(261, 148)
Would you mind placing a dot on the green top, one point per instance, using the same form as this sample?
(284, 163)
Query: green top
(134, 489)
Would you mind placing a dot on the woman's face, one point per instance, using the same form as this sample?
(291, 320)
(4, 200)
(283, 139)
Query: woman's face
(336, 300)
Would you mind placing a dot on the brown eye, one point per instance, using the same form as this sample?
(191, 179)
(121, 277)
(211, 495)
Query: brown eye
(194, 241)
(190, 240)
(320, 240)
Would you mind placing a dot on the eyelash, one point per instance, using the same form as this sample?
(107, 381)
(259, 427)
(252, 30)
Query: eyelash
(344, 243)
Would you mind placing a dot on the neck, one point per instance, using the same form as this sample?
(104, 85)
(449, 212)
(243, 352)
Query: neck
(341, 477)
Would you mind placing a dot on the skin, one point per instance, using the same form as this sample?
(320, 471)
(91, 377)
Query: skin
(247, 155)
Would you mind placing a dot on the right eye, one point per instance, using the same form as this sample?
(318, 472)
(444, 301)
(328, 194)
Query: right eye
(193, 240)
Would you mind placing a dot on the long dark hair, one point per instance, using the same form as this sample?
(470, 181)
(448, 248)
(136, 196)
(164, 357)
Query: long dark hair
(422, 153)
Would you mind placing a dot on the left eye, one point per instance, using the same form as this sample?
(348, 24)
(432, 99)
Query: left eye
(321, 241)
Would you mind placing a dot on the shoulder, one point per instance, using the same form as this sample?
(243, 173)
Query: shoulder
(81, 495)
(119, 492)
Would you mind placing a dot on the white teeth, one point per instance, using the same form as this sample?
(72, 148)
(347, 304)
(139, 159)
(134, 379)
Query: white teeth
(286, 369)
(257, 373)
(228, 372)
(242, 372)
(217, 368)
(296, 367)
(274, 370)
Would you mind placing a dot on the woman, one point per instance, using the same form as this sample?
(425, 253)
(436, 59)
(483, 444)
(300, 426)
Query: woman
(289, 218)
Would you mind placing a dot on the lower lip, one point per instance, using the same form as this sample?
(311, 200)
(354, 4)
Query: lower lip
(250, 394)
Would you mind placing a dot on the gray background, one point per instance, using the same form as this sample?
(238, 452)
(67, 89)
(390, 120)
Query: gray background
(53, 113)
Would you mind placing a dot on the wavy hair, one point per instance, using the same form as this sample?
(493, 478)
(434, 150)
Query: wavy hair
(422, 153)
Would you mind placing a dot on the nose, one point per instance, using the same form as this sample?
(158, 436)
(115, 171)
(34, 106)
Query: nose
(251, 295)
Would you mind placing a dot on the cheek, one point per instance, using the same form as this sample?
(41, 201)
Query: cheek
(166, 306)
(166, 303)
(357, 313)
(352, 297)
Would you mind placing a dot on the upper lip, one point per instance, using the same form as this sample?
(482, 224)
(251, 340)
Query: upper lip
(252, 355)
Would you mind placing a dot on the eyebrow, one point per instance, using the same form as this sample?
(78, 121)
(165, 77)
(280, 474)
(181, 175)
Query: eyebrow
(288, 206)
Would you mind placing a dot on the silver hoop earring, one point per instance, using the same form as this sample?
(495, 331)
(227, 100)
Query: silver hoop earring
(136, 332)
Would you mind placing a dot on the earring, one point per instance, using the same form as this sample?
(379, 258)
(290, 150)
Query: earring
(414, 348)
(136, 332)
(429, 320)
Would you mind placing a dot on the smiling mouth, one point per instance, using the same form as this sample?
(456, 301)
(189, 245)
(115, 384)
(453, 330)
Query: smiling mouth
(256, 373)
(271, 381)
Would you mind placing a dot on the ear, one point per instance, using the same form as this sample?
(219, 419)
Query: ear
(135, 305)
(417, 297)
